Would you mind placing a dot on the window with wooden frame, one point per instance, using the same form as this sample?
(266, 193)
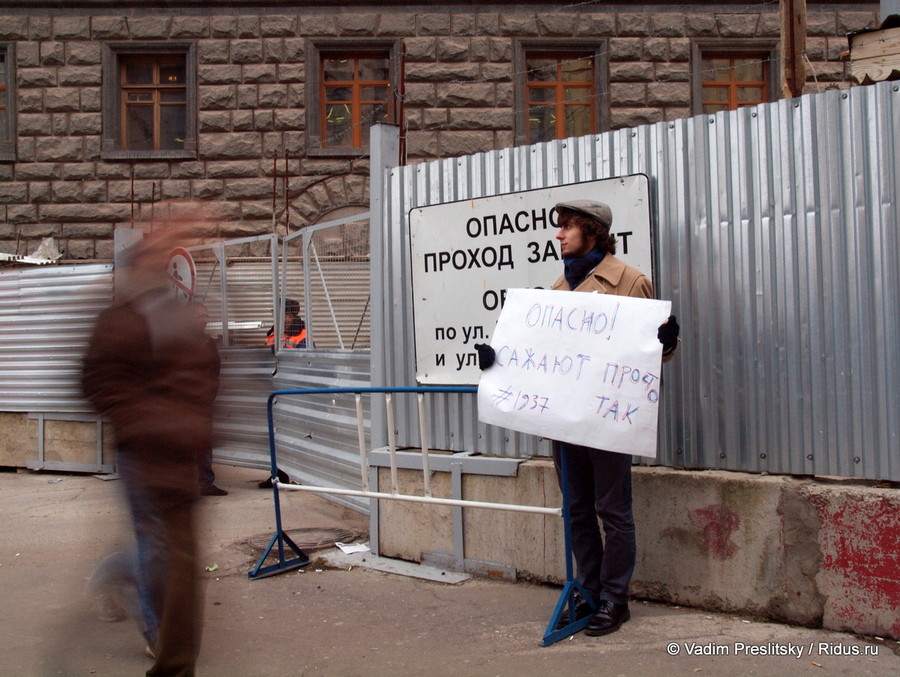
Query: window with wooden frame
(732, 81)
(559, 96)
(7, 103)
(152, 103)
(560, 89)
(357, 86)
(149, 102)
(355, 95)
(728, 78)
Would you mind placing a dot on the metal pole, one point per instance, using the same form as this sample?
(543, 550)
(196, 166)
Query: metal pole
(567, 596)
(423, 434)
(392, 444)
(361, 436)
(454, 502)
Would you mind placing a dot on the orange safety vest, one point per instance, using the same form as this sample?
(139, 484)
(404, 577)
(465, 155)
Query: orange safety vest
(287, 341)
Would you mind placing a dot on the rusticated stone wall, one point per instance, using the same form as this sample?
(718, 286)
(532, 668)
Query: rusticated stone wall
(458, 98)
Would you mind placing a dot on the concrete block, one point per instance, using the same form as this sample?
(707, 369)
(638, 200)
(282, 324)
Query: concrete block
(785, 549)
(19, 443)
(859, 538)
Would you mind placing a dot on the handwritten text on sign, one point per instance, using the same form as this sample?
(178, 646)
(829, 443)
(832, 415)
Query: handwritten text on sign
(575, 367)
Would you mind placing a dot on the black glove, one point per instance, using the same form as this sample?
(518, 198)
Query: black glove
(486, 356)
(668, 334)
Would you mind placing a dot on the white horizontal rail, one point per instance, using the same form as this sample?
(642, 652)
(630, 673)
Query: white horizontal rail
(423, 499)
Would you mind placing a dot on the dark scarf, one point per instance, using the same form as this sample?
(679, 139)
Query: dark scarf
(577, 268)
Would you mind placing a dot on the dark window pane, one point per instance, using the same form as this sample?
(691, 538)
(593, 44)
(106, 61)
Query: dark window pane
(338, 125)
(717, 68)
(139, 97)
(170, 96)
(714, 107)
(372, 115)
(373, 93)
(750, 94)
(541, 70)
(578, 121)
(337, 69)
(541, 94)
(335, 94)
(579, 94)
(748, 70)
(577, 70)
(139, 127)
(172, 74)
(715, 93)
(172, 127)
(373, 70)
(541, 123)
(139, 72)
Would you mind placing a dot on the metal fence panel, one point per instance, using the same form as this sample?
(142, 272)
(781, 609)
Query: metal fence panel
(237, 280)
(326, 266)
(241, 430)
(46, 318)
(317, 437)
(777, 241)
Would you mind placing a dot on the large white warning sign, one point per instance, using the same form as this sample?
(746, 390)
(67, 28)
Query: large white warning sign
(579, 368)
(466, 254)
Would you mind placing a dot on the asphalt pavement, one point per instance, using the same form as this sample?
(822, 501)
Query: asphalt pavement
(343, 620)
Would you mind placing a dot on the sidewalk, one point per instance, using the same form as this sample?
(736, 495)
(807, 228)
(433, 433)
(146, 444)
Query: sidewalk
(345, 622)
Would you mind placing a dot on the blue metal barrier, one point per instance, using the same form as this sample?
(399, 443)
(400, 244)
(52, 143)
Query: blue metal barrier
(299, 559)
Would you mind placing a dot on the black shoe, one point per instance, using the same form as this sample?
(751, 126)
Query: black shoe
(609, 618)
(212, 490)
(582, 610)
(282, 477)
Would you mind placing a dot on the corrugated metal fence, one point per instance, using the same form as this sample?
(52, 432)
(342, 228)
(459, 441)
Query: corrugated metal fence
(778, 244)
(46, 317)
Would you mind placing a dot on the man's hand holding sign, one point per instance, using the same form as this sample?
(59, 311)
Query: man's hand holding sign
(580, 368)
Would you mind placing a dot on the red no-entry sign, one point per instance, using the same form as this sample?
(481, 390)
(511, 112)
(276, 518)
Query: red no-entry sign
(181, 273)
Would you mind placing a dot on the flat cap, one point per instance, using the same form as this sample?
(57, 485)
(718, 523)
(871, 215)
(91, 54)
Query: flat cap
(599, 211)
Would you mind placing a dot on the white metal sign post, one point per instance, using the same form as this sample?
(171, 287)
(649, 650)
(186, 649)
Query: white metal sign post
(466, 254)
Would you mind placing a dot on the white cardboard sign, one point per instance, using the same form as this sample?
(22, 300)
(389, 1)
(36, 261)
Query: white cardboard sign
(576, 367)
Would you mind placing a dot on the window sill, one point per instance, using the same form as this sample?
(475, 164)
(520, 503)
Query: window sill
(148, 154)
(338, 152)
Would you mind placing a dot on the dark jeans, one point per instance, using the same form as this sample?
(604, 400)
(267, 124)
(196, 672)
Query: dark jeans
(600, 487)
(167, 577)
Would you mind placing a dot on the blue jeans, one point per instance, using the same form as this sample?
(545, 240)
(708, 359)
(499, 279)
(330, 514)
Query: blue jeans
(167, 580)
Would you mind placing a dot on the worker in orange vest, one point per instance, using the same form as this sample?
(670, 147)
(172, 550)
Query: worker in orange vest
(294, 335)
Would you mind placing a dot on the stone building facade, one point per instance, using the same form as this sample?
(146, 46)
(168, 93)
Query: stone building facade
(254, 116)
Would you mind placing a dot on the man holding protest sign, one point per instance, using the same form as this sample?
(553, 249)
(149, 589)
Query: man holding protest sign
(599, 481)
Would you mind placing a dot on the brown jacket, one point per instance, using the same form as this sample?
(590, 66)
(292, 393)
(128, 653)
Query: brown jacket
(152, 373)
